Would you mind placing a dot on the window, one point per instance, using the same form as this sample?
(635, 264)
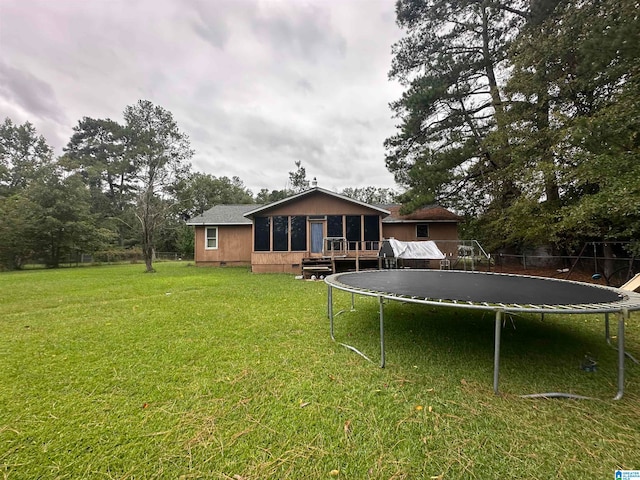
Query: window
(371, 228)
(334, 226)
(262, 237)
(422, 230)
(298, 233)
(354, 228)
(211, 238)
(280, 234)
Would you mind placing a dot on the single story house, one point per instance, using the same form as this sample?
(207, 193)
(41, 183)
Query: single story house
(316, 228)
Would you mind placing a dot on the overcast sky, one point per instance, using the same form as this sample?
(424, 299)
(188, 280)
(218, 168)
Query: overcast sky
(255, 84)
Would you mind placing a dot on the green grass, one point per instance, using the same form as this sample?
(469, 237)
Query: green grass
(111, 373)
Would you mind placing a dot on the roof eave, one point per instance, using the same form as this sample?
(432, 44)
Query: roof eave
(420, 221)
(219, 223)
(310, 191)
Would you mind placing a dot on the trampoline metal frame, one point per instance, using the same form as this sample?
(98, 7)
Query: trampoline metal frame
(630, 301)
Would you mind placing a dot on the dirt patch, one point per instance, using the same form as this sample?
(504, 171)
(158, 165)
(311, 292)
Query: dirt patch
(575, 275)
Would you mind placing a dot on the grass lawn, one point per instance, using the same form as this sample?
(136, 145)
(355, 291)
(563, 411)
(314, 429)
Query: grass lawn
(111, 373)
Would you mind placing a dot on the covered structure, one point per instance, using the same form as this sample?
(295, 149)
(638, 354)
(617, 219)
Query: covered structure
(396, 253)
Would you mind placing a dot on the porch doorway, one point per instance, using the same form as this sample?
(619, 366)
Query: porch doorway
(317, 237)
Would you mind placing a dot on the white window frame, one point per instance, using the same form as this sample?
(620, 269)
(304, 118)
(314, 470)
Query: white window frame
(207, 237)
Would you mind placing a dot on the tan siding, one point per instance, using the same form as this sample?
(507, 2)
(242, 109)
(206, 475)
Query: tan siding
(406, 232)
(277, 262)
(235, 243)
(234, 246)
(320, 204)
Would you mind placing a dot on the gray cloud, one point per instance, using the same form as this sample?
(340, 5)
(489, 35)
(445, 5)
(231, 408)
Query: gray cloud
(303, 31)
(209, 22)
(30, 93)
(256, 84)
(304, 85)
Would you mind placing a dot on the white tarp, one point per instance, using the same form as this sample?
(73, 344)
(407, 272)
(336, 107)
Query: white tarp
(416, 250)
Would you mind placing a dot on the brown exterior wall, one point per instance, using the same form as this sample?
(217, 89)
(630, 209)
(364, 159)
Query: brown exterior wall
(235, 242)
(316, 204)
(234, 246)
(319, 204)
(277, 262)
(406, 232)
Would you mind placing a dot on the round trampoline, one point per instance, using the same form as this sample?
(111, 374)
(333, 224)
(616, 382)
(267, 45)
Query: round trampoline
(500, 293)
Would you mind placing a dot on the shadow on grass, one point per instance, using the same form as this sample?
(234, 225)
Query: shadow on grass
(536, 355)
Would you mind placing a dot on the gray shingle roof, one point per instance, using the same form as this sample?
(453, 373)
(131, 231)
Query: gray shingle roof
(432, 213)
(224, 215)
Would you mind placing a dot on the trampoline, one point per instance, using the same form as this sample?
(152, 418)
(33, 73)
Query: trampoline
(496, 292)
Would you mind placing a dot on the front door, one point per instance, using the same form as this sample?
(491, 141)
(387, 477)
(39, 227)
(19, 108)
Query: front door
(317, 229)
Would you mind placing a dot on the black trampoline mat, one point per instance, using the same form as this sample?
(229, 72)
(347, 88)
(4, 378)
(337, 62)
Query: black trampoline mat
(477, 287)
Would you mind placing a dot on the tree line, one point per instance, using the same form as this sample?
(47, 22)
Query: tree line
(523, 115)
(119, 190)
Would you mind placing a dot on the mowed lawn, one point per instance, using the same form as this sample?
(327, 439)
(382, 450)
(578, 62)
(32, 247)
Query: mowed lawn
(110, 373)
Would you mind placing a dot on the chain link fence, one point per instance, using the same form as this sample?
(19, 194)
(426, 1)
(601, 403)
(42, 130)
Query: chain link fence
(613, 271)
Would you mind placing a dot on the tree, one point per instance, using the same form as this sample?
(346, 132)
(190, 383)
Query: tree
(65, 225)
(521, 114)
(198, 192)
(97, 152)
(18, 231)
(450, 62)
(298, 178)
(264, 196)
(371, 195)
(22, 154)
(573, 123)
(159, 152)
(42, 213)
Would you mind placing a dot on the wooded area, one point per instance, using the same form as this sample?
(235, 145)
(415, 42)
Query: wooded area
(524, 116)
(118, 192)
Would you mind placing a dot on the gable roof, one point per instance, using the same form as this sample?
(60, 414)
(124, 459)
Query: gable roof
(224, 215)
(311, 191)
(433, 213)
(241, 214)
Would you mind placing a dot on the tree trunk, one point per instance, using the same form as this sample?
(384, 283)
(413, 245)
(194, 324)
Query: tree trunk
(147, 248)
(609, 261)
(507, 190)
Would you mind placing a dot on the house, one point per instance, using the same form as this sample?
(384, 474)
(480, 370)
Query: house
(316, 230)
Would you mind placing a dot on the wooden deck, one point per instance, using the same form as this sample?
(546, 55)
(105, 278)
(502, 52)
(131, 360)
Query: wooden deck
(328, 264)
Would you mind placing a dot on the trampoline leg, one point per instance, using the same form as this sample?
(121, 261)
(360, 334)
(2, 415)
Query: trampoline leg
(330, 310)
(382, 359)
(621, 318)
(607, 336)
(496, 354)
(353, 302)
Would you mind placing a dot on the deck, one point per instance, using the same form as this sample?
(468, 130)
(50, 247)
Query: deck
(340, 255)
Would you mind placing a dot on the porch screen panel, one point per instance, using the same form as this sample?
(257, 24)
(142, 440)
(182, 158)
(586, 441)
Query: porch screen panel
(262, 236)
(298, 233)
(334, 226)
(371, 228)
(280, 234)
(354, 228)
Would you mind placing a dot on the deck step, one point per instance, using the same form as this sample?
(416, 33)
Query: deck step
(316, 265)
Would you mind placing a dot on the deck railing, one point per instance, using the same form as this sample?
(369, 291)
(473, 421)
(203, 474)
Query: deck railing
(341, 247)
